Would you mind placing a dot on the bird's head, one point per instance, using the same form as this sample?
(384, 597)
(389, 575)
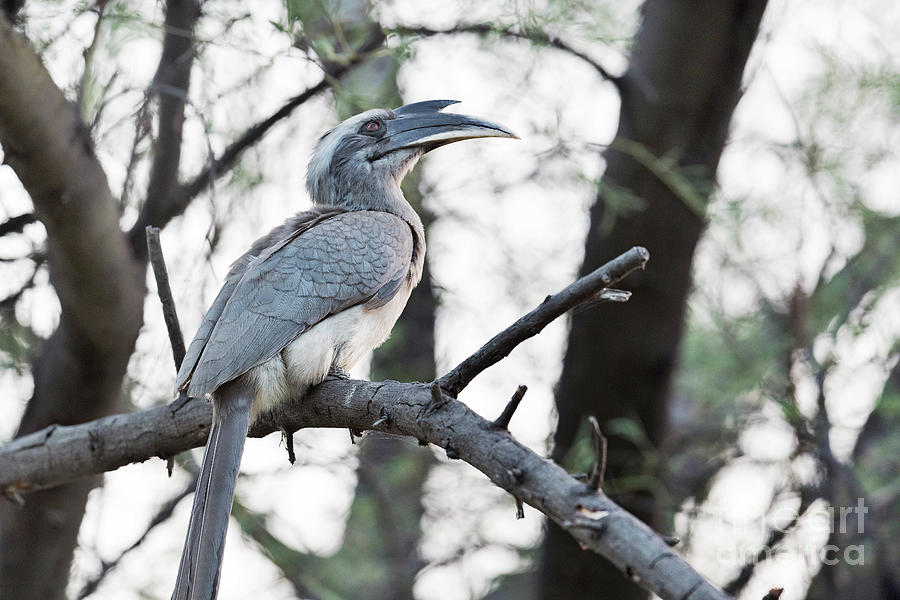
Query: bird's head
(359, 164)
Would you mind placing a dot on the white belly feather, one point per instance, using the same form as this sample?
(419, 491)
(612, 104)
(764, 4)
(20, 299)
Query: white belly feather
(341, 340)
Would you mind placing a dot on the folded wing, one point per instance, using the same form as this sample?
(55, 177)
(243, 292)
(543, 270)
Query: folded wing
(340, 261)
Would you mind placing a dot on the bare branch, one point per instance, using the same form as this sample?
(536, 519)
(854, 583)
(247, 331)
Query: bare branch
(58, 454)
(776, 535)
(599, 470)
(88, 55)
(534, 36)
(502, 422)
(220, 165)
(596, 522)
(16, 224)
(422, 411)
(170, 86)
(170, 314)
(584, 289)
(294, 565)
(161, 516)
(216, 167)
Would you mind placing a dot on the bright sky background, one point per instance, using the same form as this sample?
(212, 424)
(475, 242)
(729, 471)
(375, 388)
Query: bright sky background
(501, 245)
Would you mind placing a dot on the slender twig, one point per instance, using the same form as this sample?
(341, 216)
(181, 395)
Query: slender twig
(170, 88)
(437, 397)
(218, 166)
(9, 302)
(221, 164)
(16, 224)
(288, 438)
(584, 289)
(142, 127)
(776, 535)
(88, 55)
(170, 314)
(293, 564)
(598, 472)
(533, 36)
(502, 422)
(162, 515)
(671, 540)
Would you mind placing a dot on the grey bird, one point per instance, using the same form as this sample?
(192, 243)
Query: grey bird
(317, 292)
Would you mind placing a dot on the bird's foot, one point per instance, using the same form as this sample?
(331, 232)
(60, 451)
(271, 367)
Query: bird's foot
(179, 402)
(335, 372)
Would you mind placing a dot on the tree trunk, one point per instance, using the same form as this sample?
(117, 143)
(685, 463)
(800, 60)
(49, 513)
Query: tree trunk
(99, 281)
(678, 96)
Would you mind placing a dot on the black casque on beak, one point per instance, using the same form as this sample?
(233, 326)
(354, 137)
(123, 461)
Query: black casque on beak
(422, 124)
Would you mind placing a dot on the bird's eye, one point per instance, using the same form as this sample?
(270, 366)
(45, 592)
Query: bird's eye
(371, 127)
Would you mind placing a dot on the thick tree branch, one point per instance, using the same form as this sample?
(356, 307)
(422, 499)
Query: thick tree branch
(596, 522)
(419, 410)
(78, 373)
(58, 454)
(50, 150)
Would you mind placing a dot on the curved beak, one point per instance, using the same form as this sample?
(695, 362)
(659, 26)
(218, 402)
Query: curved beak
(423, 125)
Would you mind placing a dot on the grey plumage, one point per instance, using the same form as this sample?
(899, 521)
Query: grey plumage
(320, 290)
(293, 285)
(201, 559)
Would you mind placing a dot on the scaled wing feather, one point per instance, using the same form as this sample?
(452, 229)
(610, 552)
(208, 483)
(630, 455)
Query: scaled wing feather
(261, 249)
(340, 262)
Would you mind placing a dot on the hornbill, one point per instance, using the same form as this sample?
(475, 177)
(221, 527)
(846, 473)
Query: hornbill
(313, 295)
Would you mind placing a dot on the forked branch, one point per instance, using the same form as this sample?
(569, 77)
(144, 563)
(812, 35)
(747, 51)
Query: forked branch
(424, 411)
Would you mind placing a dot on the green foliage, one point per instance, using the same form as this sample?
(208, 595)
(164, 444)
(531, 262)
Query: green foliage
(618, 201)
(801, 325)
(722, 362)
(587, 19)
(693, 191)
(581, 456)
(244, 177)
(17, 343)
(864, 278)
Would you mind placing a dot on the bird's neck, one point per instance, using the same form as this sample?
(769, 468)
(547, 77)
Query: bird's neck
(391, 200)
(384, 197)
(387, 197)
(365, 189)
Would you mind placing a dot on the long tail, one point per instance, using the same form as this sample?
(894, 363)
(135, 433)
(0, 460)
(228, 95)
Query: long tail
(201, 559)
